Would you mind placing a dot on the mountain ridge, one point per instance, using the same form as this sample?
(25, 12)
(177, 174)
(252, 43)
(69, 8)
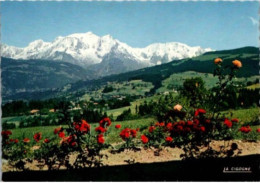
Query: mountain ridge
(86, 49)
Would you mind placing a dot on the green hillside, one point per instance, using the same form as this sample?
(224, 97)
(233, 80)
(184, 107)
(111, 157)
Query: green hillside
(249, 56)
(20, 77)
(175, 81)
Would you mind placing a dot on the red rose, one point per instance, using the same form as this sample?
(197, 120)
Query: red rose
(76, 126)
(179, 128)
(37, 136)
(144, 139)
(6, 133)
(196, 127)
(71, 138)
(133, 133)
(84, 127)
(57, 130)
(189, 123)
(235, 120)
(196, 121)
(61, 134)
(151, 129)
(207, 121)
(258, 130)
(168, 139)
(14, 140)
(100, 139)
(202, 128)
(105, 122)
(228, 123)
(175, 124)
(199, 111)
(182, 123)
(126, 133)
(73, 144)
(245, 129)
(46, 140)
(169, 126)
(118, 126)
(100, 129)
(26, 140)
(162, 124)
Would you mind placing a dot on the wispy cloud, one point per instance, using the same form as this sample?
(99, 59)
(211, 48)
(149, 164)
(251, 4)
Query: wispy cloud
(254, 21)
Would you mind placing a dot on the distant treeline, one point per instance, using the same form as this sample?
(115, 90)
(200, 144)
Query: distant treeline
(62, 117)
(17, 108)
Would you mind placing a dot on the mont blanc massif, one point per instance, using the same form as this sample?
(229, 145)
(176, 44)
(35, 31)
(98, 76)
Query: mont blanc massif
(106, 53)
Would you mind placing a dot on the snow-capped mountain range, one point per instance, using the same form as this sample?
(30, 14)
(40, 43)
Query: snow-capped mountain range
(87, 49)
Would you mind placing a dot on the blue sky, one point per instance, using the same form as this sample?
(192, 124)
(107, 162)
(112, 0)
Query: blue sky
(218, 25)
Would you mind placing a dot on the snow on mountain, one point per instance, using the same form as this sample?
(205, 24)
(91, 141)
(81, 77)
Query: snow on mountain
(165, 52)
(10, 51)
(86, 49)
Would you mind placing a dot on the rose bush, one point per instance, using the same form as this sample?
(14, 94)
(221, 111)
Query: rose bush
(56, 152)
(128, 135)
(17, 152)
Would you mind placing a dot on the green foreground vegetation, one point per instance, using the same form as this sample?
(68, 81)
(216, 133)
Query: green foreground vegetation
(245, 116)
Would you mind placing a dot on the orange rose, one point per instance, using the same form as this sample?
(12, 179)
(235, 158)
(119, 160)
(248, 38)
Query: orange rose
(237, 63)
(26, 140)
(177, 107)
(218, 60)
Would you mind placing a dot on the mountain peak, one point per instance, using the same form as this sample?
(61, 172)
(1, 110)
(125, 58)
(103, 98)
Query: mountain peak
(36, 43)
(107, 36)
(80, 35)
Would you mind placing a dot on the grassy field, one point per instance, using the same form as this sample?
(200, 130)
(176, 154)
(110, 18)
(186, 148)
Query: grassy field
(16, 120)
(254, 86)
(12, 119)
(117, 112)
(132, 88)
(176, 80)
(244, 115)
(224, 56)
